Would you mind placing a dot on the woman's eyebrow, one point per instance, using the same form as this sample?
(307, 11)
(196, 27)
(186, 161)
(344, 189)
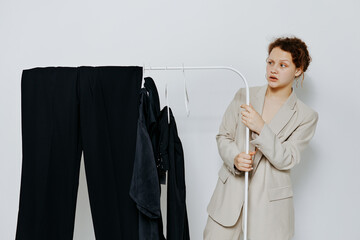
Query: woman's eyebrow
(285, 60)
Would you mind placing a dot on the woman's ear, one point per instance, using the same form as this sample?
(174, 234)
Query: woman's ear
(298, 72)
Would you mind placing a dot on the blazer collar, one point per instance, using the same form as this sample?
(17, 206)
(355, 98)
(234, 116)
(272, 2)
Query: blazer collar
(278, 122)
(283, 115)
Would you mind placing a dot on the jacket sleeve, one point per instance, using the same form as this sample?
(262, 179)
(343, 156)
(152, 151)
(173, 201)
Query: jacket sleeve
(226, 136)
(286, 155)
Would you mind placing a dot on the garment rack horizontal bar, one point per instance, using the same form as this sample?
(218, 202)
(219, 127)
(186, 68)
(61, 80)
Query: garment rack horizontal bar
(247, 132)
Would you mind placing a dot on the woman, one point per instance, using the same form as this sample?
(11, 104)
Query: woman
(281, 127)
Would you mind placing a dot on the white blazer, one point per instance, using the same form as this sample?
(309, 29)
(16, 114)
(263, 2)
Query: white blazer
(280, 143)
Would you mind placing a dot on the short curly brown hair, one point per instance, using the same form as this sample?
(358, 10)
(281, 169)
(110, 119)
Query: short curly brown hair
(297, 48)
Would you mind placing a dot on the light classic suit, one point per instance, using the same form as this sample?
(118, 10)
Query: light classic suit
(280, 143)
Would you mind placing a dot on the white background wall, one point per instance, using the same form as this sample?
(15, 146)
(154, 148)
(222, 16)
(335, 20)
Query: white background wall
(199, 33)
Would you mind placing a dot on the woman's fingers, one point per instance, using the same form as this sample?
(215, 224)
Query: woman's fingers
(244, 161)
(249, 156)
(247, 169)
(245, 164)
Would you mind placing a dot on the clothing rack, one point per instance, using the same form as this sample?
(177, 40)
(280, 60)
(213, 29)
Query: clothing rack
(247, 129)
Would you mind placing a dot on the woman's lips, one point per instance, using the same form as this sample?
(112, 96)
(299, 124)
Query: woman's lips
(273, 78)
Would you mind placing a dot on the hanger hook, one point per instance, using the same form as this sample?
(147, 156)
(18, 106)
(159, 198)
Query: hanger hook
(143, 77)
(186, 93)
(167, 100)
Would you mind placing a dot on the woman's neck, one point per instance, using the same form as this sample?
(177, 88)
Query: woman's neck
(279, 94)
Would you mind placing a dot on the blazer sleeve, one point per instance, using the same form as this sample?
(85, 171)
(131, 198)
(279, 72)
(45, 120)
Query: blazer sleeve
(286, 155)
(226, 136)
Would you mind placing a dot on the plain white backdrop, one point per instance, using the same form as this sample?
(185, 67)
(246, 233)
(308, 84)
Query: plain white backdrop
(199, 33)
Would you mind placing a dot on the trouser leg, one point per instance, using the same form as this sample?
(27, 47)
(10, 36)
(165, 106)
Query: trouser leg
(109, 100)
(51, 154)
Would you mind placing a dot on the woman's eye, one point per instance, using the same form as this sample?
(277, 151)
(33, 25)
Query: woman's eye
(283, 65)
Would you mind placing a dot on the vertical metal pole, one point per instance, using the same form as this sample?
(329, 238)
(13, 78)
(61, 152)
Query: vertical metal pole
(247, 129)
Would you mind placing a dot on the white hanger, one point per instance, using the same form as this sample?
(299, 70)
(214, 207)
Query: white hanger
(167, 100)
(186, 94)
(143, 76)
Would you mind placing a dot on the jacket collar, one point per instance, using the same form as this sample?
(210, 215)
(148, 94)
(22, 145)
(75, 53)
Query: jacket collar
(283, 115)
(278, 122)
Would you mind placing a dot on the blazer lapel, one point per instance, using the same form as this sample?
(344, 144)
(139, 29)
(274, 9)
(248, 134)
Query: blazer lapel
(277, 123)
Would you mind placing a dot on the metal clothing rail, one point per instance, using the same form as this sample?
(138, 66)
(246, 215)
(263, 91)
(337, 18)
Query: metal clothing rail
(247, 129)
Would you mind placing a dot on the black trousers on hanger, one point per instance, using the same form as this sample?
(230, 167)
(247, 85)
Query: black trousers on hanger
(67, 110)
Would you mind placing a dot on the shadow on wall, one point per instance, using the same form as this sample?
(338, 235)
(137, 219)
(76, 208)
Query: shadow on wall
(303, 172)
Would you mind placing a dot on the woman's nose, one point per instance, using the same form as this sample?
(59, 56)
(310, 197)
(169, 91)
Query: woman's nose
(273, 69)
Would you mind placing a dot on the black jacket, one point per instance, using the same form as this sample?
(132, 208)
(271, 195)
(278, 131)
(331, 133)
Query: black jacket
(158, 150)
(145, 187)
(171, 152)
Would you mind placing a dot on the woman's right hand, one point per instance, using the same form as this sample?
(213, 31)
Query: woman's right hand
(243, 161)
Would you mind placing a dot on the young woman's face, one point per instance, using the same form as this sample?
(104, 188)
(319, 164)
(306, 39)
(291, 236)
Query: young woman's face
(280, 69)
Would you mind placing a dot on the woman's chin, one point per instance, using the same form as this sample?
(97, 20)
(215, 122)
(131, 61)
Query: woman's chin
(273, 83)
(273, 80)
